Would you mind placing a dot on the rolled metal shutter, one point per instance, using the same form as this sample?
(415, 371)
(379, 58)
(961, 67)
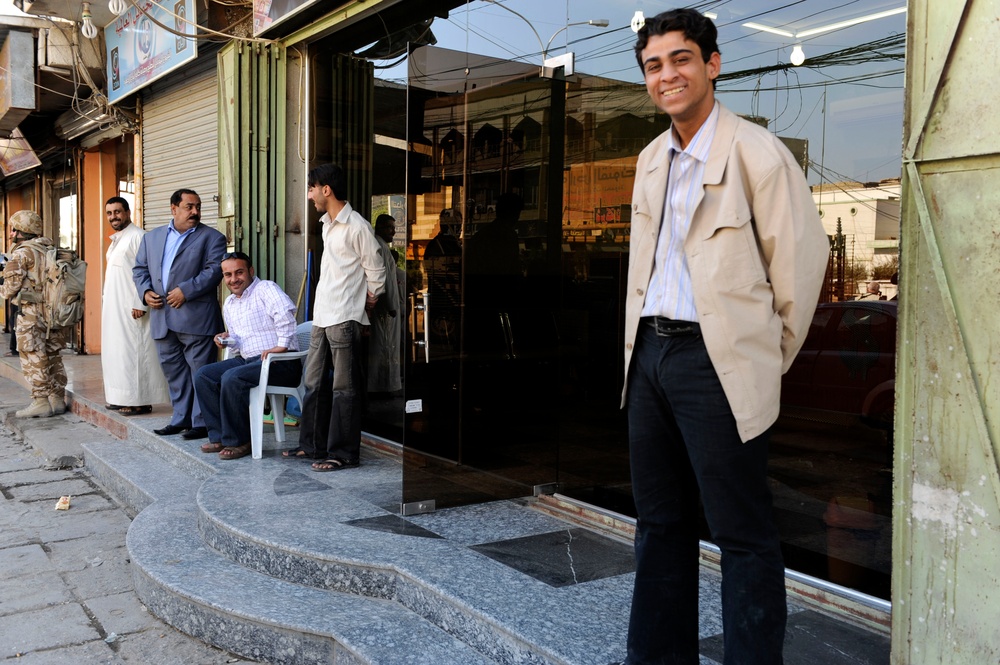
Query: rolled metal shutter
(180, 142)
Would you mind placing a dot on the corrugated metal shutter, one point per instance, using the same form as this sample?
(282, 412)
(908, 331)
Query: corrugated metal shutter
(180, 143)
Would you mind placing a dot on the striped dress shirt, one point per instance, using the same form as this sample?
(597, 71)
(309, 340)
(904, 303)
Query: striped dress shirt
(261, 319)
(670, 293)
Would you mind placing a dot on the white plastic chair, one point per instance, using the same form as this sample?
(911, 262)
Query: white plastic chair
(277, 393)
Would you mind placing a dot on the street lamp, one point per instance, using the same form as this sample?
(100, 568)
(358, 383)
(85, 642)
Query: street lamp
(566, 60)
(599, 22)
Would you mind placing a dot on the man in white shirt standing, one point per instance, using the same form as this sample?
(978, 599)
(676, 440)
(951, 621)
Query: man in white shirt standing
(260, 320)
(133, 378)
(352, 276)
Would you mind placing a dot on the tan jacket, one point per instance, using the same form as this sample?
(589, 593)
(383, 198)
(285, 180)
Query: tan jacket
(757, 254)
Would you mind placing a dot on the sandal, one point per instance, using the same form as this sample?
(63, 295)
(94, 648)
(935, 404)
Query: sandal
(135, 410)
(113, 407)
(296, 453)
(212, 447)
(235, 452)
(333, 464)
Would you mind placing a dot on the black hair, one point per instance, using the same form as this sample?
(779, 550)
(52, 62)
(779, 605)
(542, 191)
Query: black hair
(696, 26)
(178, 196)
(239, 256)
(332, 176)
(118, 199)
(385, 219)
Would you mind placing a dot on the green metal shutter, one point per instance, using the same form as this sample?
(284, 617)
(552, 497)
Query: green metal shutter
(251, 150)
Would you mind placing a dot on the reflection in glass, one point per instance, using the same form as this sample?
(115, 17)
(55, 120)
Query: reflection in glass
(512, 345)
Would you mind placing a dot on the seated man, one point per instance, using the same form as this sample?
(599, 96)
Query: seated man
(260, 319)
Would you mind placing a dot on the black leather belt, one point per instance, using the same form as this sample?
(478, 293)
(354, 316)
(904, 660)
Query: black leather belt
(670, 328)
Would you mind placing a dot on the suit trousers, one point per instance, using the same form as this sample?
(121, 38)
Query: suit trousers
(223, 391)
(182, 355)
(684, 443)
(331, 411)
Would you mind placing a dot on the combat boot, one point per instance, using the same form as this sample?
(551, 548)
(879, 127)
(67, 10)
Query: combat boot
(58, 404)
(39, 408)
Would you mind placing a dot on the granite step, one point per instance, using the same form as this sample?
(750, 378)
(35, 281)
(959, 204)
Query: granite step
(257, 616)
(135, 475)
(209, 596)
(342, 532)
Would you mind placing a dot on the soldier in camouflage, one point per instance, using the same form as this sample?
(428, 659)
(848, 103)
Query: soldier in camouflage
(40, 360)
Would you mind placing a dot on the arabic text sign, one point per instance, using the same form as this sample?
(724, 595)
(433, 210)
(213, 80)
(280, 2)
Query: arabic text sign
(140, 51)
(16, 155)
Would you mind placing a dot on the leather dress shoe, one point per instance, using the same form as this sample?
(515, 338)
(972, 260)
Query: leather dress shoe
(195, 433)
(169, 430)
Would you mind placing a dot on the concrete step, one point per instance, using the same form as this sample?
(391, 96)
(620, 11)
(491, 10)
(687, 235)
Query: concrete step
(257, 616)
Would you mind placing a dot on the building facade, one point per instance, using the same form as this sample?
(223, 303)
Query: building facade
(440, 111)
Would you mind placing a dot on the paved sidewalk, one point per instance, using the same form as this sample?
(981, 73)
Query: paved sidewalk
(66, 592)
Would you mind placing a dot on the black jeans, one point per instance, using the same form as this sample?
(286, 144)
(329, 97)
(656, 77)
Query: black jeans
(683, 442)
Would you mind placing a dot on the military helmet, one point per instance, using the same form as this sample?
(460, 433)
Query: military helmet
(27, 221)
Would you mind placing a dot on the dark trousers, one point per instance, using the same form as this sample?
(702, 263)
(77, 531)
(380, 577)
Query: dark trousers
(331, 413)
(182, 355)
(684, 443)
(223, 391)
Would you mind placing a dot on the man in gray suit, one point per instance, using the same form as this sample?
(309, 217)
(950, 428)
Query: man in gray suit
(177, 273)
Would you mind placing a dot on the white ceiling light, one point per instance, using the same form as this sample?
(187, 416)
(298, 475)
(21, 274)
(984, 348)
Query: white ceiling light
(825, 28)
(88, 29)
(118, 7)
(853, 21)
(764, 28)
(797, 56)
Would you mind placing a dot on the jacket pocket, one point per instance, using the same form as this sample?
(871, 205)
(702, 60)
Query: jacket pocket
(731, 252)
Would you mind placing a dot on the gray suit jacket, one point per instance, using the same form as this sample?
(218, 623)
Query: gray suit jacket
(196, 269)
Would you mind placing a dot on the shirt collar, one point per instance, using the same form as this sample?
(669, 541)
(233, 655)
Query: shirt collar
(701, 143)
(343, 216)
(174, 229)
(249, 290)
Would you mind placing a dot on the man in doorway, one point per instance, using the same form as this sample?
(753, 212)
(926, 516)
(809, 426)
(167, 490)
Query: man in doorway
(726, 262)
(133, 378)
(39, 347)
(177, 273)
(260, 320)
(383, 343)
(352, 277)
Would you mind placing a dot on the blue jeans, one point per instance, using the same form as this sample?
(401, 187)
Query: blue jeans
(223, 390)
(331, 413)
(683, 442)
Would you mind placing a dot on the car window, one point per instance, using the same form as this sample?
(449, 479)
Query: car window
(817, 329)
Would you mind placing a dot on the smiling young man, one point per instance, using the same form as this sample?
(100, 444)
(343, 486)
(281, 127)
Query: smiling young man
(727, 257)
(260, 320)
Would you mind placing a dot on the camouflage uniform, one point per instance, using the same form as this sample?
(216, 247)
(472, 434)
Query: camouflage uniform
(40, 360)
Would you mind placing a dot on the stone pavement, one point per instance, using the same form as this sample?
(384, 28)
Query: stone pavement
(66, 593)
(301, 568)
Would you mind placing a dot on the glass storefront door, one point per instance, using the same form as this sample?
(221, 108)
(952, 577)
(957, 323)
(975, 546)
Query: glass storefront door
(513, 320)
(483, 267)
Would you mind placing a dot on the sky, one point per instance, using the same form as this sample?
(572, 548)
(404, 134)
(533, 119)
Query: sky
(850, 114)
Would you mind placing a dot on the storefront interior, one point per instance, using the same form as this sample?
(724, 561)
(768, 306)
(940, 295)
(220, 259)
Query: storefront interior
(511, 350)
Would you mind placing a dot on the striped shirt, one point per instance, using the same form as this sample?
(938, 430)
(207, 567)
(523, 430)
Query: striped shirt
(670, 293)
(261, 319)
